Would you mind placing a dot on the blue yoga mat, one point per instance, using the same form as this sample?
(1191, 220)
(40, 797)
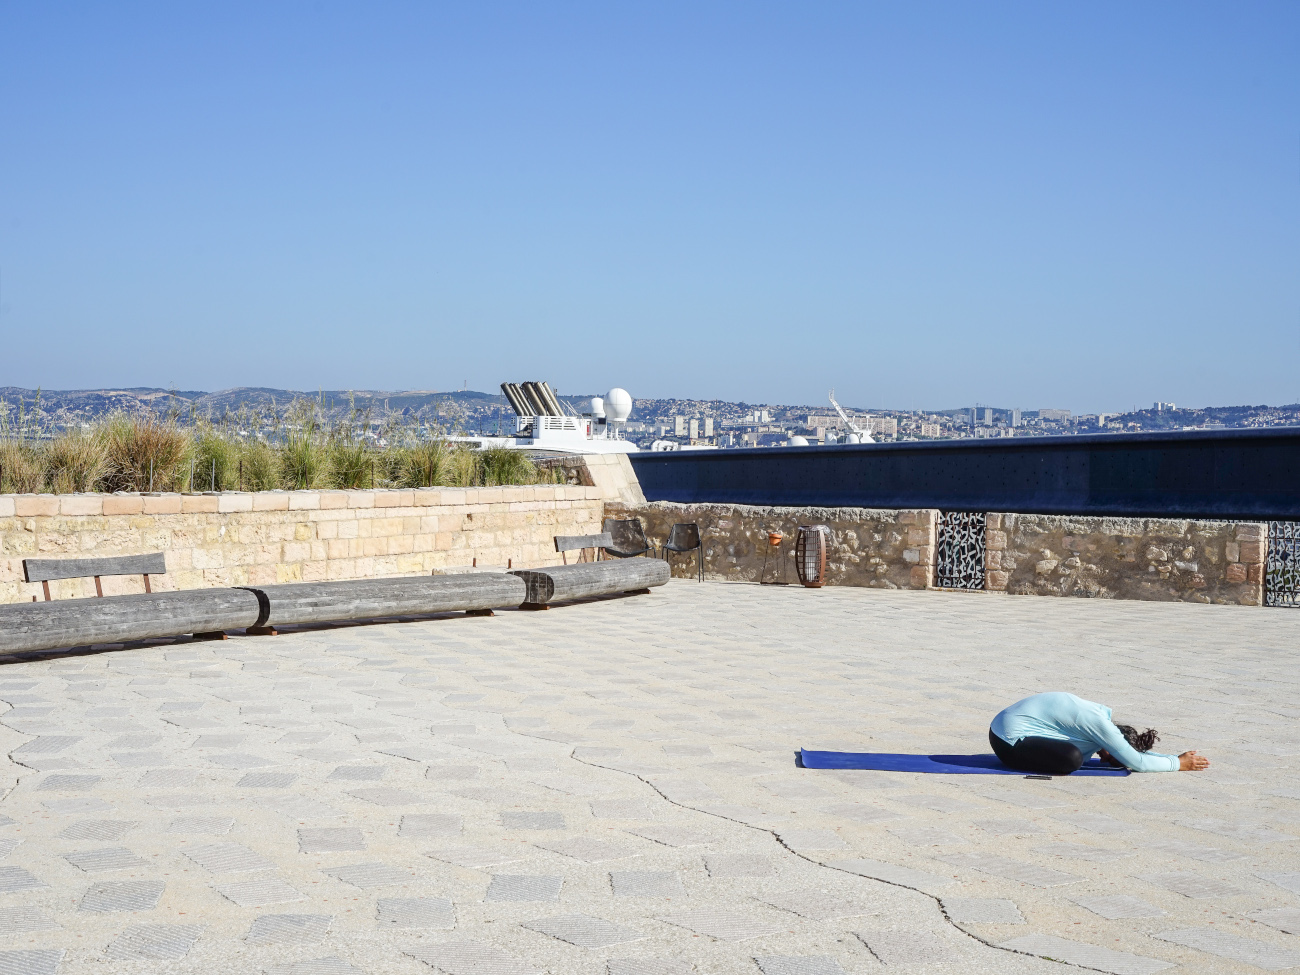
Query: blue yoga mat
(949, 764)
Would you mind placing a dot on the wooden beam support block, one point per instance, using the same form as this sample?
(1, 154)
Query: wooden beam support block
(211, 635)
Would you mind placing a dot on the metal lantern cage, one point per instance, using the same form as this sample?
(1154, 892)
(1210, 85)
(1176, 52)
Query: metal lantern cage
(810, 554)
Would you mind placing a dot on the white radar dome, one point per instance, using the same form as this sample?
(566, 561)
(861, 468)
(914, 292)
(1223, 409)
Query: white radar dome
(597, 406)
(618, 404)
(797, 442)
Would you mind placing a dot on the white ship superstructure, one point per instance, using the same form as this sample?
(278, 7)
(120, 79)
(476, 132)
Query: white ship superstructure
(542, 424)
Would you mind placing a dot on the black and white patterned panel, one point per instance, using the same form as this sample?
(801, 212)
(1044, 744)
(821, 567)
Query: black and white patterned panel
(1282, 568)
(959, 554)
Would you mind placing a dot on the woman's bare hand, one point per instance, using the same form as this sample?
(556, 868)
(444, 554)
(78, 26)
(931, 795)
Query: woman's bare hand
(1191, 762)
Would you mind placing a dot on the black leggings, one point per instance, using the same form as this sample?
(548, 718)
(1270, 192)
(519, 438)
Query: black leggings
(1041, 756)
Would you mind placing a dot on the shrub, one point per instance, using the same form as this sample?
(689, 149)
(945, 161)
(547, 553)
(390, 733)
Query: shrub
(75, 462)
(22, 469)
(256, 467)
(145, 454)
(501, 465)
(216, 462)
(426, 464)
(350, 463)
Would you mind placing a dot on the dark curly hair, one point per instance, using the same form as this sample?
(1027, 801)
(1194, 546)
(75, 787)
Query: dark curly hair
(1141, 741)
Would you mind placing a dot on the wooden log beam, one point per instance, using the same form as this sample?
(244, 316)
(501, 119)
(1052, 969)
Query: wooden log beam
(321, 602)
(558, 582)
(78, 622)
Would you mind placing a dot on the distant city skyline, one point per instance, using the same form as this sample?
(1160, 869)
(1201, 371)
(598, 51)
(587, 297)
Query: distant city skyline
(1083, 207)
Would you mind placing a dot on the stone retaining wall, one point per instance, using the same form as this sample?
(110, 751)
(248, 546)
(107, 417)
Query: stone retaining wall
(1127, 558)
(1044, 555)
(883, 549)
(233, 539)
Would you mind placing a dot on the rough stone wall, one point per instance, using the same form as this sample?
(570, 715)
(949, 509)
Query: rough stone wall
(1126, 558)
(880, 549)
(232, 539)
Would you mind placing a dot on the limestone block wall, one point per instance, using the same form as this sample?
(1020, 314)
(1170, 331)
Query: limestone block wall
(233, 539)
(1126, 558)
(869, 547)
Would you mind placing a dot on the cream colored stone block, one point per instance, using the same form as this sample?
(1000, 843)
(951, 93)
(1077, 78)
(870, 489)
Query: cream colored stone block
(337, 548)
(288, 573)
(6, 507)
(199, 503)
(374, 547)
(162, 504)
(304, 500)
(349, 529)
(36, 505)
(271, 501)
(230, 503)
(262, 575)
(296, 552)
(333, 500)
(303, 532)
(81, 504)
(361, 499)
(315, 571)
(327, 530)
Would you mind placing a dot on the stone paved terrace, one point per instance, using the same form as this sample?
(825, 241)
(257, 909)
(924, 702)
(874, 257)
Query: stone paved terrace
(612, 787)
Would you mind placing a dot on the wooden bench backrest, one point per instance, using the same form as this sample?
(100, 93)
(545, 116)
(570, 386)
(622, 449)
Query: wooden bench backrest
(47, 570)
(570, 543)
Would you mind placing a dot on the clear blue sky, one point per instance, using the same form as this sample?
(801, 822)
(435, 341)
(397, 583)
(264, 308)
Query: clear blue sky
(1077, 205)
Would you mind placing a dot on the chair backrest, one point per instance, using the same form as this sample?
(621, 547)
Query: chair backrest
(570, 543)
(47, 570)
(684, 535)
(628, 535)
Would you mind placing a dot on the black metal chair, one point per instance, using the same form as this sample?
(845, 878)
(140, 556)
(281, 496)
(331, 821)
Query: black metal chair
(629, 538)
(685, 537)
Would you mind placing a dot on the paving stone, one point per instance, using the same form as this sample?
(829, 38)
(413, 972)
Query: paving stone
(1118, 906)
(1287, 881)
(417, 912)
(45, 745)
(1077, 851)
(317, 966)
(941, 804)
(798, 965)
(288, 929)
(204, 825)
(1283, 918)
(470, 958)
(893, 947)
(1194, 851)
(99, 829)
(1234, 947)
(420, 825)
(584, 931)
(632, 809)
(521, 887)
(267, 780)
(475, 856)
(16, 878)
(125, 895)
(892, 873)
(1024, 873)
(533, 820)
(739, 865)
(388, 797)
(76, 807)
(859, 812)
(1008, 827)
(357, 773)
(1086, 955)
(671, 835)
(69, 783)
(982, 910)
(168, 778)
(300, 807)
(587, 849)
(451, 773)
(647, 883)
(815, 905)
(1191, 884)
(140, 759)
(260, 892)
(927, 836)
(1255, 833)
(40, 962)
(19, 920)
(723, 925)
(370, 875)
(146, 942)
(649, 966)
(239, 760)
(110, 858)
(330, 839)
(227, 858)
(812, 839)
(1096, 822)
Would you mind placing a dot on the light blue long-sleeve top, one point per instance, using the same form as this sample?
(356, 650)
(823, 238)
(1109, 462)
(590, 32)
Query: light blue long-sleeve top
(1087, 726)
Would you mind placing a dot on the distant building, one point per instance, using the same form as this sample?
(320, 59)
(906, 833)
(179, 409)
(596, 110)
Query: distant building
(931, 430)
(885, 426)
(1016, 419)
(986, 416)
(1058, 416)
(679, 426)
(693, 429)
(1162, 407)
(708, 426)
